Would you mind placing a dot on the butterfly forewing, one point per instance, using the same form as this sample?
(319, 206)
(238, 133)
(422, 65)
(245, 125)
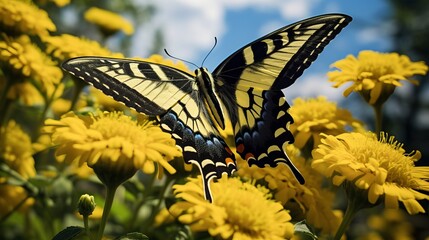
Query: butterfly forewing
(148, 88)
(276, 60)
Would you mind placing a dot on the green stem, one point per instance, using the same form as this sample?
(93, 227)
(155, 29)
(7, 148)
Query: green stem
(351, 210)
(110, 195)
(356, 201)
(378, 118)
(86, 225)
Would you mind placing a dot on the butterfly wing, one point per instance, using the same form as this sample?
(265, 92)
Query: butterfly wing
(170, 94)
(251, 79)
(276, 60)
(146, 87)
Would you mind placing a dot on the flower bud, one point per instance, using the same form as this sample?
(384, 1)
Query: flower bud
(86, 205)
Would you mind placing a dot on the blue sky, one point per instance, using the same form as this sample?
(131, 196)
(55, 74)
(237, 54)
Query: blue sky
(189, 28)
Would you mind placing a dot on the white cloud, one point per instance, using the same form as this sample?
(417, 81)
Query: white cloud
(189, 26)
(313, 85)
(293, 10)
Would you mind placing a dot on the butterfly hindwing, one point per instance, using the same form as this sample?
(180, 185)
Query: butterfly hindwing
(262, 130)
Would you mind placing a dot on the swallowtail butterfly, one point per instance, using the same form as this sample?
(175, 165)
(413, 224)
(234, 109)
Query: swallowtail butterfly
(245, 89)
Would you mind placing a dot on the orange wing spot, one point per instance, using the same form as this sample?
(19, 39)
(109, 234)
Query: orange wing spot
(240, 148)
(249, 155)
(228, 161)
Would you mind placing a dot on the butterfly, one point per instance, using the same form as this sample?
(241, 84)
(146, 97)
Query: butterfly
(244, 91)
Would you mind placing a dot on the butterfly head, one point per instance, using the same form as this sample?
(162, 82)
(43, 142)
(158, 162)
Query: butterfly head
(204, 77)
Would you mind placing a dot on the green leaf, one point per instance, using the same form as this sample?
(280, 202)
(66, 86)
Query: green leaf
(133, 236)
(304, 231)
(70, 233)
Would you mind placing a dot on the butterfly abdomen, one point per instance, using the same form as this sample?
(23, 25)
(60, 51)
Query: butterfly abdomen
(212, 100)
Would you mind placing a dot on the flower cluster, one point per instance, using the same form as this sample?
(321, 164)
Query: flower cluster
(16, 152)
(312, 199)
(26, 59)
(66, 149)
(23, 17)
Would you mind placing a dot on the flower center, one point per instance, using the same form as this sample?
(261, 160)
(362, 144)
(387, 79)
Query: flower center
(389, 155)
(117, 125)
(248, 212)
(375, 68)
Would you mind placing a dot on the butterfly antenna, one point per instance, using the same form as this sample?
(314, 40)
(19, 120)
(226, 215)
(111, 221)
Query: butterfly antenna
(214, 45)
(180, 59)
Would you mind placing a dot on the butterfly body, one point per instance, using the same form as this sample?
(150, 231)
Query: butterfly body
(211, 98)
(244, 91)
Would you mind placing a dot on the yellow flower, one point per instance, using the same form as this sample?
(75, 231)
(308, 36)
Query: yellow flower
(380, 167)
(24, 17)
(113, 144)
(318, 115)
(26, 93)
(68, 46)
(15, 151)
(375, 75)
(240, 211)
(108, 22)
(163, 217)
(59, 3)
(313, 201)
(26, 59)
